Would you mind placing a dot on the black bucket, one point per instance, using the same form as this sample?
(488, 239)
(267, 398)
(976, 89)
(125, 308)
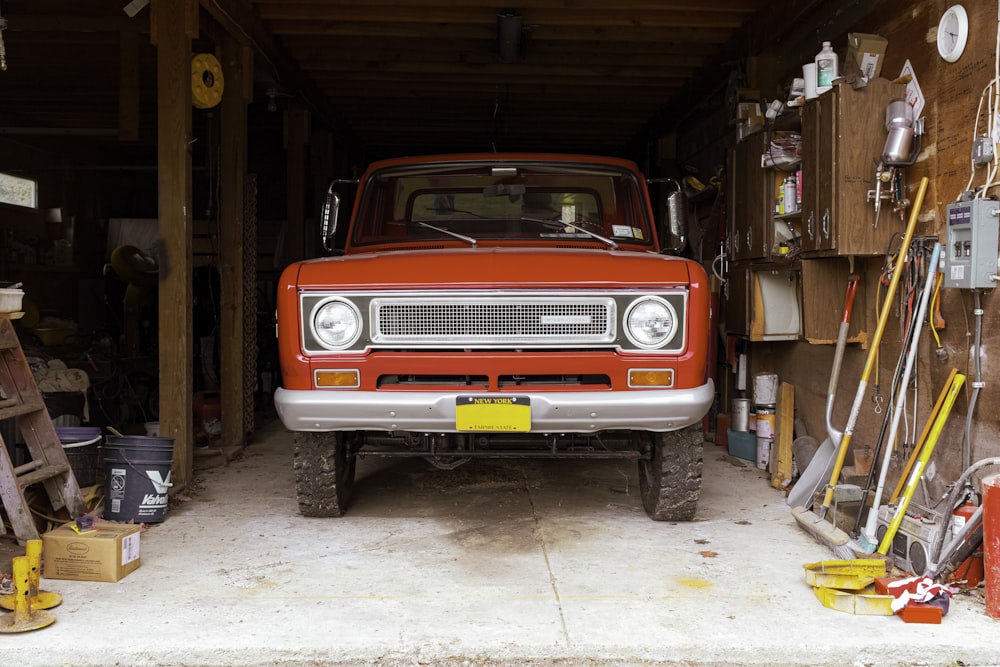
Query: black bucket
(137, 477)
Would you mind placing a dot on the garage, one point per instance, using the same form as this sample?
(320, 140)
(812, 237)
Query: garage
(437, 333)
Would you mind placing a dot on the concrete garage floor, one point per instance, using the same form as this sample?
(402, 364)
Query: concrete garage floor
(514, 563)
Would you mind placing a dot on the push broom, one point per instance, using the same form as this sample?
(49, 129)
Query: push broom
(815, 523)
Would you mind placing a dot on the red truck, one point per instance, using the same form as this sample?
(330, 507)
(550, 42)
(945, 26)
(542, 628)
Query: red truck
(496, 305)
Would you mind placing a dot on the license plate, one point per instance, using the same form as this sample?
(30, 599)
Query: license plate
(493, 413)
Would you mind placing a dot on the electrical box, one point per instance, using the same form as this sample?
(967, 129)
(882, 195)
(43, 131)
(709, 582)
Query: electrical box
(972, 244)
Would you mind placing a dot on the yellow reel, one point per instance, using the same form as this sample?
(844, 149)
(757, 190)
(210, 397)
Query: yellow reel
(207, 82)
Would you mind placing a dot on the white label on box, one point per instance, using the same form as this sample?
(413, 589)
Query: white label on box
(869, 62)
(958, 272)
(914, 96)
(130, 548)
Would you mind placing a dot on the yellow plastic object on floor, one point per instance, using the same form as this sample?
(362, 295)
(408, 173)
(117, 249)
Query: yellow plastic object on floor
(845, 575)
(860, 604)
(846, 585)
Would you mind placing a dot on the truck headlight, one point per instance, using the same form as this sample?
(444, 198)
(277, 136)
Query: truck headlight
(650, 322)
(336, 323)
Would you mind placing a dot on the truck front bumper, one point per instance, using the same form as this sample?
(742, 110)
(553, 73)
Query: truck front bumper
(551, 412)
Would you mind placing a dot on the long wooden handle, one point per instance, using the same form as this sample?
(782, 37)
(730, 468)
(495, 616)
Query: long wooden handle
(887, 306)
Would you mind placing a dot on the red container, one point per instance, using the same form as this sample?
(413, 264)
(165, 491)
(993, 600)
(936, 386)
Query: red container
(207, 406)
(991, 543)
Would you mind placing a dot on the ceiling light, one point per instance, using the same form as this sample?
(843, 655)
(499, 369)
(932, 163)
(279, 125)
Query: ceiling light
(509, 36)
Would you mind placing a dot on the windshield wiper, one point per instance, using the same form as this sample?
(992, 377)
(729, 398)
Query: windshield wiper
(562, 224)
(462, 237)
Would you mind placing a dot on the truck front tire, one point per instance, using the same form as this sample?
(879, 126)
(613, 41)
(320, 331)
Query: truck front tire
(324, 474)
(670, 479)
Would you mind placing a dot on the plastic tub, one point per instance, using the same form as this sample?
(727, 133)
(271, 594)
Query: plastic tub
(10, 299)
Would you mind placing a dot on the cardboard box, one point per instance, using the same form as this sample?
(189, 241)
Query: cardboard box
(106, 554)
(865, 54)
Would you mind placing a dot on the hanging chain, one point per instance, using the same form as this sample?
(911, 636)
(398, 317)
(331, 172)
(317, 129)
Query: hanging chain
(250, 300)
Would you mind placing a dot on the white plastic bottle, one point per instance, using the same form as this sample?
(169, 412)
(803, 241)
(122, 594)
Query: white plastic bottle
(827, 67)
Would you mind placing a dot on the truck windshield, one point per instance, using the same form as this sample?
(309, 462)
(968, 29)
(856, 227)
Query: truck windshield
(494, 203)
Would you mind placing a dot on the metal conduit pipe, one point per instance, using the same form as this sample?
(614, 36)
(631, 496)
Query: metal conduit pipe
(950, 500)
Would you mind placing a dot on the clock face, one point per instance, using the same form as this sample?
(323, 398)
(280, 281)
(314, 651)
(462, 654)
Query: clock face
(953, 33)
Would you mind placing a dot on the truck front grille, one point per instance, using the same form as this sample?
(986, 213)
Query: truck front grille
(494, 320)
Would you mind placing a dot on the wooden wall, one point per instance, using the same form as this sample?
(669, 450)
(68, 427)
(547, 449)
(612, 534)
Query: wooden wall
(952, 92)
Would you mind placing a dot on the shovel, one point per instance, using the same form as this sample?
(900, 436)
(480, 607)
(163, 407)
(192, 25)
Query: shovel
(821, 466)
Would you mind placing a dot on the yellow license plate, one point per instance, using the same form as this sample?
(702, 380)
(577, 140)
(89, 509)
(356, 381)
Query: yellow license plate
(493, 413)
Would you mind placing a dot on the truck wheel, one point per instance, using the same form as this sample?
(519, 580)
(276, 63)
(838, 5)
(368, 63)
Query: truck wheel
(324, 474)
(670, 480)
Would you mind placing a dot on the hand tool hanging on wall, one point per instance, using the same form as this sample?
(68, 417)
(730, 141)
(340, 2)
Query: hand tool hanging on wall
(814, 523)
(910, 325)
(867, 538)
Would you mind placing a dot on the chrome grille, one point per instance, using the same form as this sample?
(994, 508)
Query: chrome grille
(500, 319)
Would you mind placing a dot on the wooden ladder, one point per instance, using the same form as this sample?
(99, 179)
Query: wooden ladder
(21, 398)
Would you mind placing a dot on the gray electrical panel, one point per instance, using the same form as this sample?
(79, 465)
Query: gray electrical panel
(972, 244)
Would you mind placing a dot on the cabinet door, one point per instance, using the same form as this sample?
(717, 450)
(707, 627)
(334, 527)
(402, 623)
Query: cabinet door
(811, 169)
(736, 295)
(749, 199)
(860, 135)
(818, 159)
(843, 132)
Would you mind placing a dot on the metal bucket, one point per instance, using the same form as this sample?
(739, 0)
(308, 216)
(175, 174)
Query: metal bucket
(740, 420)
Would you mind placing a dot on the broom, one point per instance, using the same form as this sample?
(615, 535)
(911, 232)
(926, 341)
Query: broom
(814, 523)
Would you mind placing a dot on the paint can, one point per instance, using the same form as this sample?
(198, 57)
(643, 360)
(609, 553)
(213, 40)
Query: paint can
(765, 388)
(740, 414)
(765, 436)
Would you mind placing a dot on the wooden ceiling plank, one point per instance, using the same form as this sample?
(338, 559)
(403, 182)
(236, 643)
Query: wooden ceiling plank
(616, 15)
(737, 6)
(385, 29)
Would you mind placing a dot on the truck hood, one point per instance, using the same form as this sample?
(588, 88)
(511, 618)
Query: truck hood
(490, 268)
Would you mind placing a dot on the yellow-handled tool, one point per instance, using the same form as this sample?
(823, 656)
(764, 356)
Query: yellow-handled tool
(918, 469)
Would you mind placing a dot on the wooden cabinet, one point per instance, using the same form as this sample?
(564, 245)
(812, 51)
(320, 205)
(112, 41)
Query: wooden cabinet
(843, 133)
(763, 302)
(756, 227)
(749, 199)
(824, 282)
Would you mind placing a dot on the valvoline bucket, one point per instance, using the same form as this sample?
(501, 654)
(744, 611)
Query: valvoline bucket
(137, 477)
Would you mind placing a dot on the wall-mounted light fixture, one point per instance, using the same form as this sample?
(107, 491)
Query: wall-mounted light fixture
(509, 36)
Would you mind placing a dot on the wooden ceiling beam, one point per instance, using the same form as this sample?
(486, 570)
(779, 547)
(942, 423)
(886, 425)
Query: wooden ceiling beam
(449, 70)
(68, 24)
(491, 8)
(350, 46)
(436, 31)
(530, 18)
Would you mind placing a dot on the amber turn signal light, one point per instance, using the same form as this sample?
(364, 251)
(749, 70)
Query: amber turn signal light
(638, 377)
(337, 379)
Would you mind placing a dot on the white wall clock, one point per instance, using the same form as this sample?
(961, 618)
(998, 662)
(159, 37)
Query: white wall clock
(953, 33)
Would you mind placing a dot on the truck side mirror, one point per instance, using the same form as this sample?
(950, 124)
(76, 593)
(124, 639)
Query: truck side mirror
(328, 218)
(674, 223)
